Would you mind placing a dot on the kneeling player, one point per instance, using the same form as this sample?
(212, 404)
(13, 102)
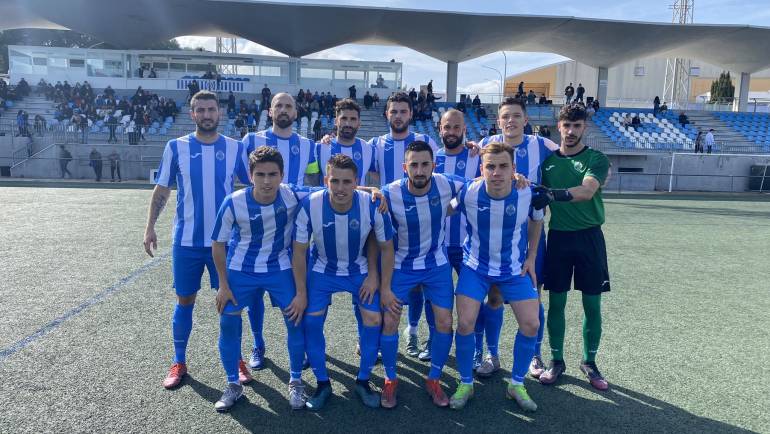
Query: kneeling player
(503, 230)
(339, 220)
(260, 220)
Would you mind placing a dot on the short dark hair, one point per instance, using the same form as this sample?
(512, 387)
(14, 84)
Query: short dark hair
(399, 97)
(497, 148)
(419, 146)
(572, 112)
(203, 95)
(512, 101)
(346, 104)
(342, 161)
(265, 154)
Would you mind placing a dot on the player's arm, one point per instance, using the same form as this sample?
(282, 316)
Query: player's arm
(372, 281)
(158, 201)
(376, 194)
(297, 307)
(224, 294)
(388, 258)
(533, 240)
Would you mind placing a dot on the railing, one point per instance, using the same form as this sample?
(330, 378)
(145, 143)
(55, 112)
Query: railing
(625, 182)
(650, 146)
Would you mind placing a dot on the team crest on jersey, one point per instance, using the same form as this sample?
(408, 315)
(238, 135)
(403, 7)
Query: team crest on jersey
(356, 155)
(510, 210)
(521, 152)
(220, 155)
(354, 225)
(579, 166)
(295, 150)
(280, 209)
(460, 165)
(435, 201)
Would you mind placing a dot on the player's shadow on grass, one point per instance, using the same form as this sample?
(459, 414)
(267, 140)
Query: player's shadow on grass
(720, 212)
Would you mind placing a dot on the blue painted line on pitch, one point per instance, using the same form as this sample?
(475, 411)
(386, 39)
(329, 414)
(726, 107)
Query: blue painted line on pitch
(53, 325)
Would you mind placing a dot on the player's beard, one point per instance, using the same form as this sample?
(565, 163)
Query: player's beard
(451, 144)
(397, 130)
(420, 182)
(348, 133)
(207, 129)
(576, 142)
(283, 121)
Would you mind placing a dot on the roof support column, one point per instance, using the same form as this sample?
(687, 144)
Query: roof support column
(451, 82)
(742, 103)
(601, 88)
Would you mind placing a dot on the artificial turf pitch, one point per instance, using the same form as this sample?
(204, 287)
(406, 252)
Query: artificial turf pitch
(85, 336)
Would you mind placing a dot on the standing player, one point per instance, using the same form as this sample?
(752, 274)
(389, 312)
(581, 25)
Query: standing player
(389, 159)
(260, 221)
(348, 121)
(418, 207)
(203, 165)
(501, 226)
(339, 220)
(529, 153)
(453, 159)
(299, 159)
(576, 248)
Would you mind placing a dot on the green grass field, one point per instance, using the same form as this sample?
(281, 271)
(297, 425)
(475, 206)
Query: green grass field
(685, 344)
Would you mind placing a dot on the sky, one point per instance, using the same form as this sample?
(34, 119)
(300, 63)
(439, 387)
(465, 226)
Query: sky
(473, 76)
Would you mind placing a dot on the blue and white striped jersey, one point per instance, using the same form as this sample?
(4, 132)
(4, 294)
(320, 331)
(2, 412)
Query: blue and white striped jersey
(465, 166)
(390, 154)
(297, 152)
(259, 235)
(530, 154)
(339, 239)
(361, 152)
(419, 221)
(497, 229)
(204, 175)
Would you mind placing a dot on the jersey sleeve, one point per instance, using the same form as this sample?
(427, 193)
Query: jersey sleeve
(250, 143)
(312, 162)
(458, 203)
(242, 165)
(373, 163)
(223, 225)
(302, 227)
(302, 192)
(169, 166)
(383, 227)
(598, 167)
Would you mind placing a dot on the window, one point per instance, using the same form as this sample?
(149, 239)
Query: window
(695, 71)
(355, 75)
(77, 63)
(197, 67)
(178, 67)
(339, 75)
(39, 61)
(639, 71)
(316, 73)
(104, 68)
(269, 71)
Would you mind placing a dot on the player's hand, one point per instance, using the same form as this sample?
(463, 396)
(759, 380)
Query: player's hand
(529, 268)
(377, 195)
(296, 309)
(473, 147)
(150, 241)
(326, 140)
(368, 288)
(390, 303)
(223, 296)
(521, 181)
(542, 197)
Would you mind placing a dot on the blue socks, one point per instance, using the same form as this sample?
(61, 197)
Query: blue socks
(479, 330)
(523, 351)
(540, 330)
(295, 336)
(181, 326)
(315, 345)
(464, 353)
(430, 319)
(359, 320)
(493, 323)
(439, 352)
(230, 330)
(257, 319)
(370, 343)
(416, 301)
(389, 347)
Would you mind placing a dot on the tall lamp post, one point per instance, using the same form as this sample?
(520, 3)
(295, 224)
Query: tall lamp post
(501, 79)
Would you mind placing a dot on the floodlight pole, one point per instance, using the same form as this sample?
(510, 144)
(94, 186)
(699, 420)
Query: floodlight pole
(505, 74)
(502, 83)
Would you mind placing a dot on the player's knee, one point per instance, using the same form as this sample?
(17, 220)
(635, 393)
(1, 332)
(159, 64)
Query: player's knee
(529, 326)
(390, 323)
(316, 313)
(186, 300)
(465, 324)
(370, 318)
(444, 322)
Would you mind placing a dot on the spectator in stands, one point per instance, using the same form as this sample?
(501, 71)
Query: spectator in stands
(112, 125)
(230, 101)
(481, 113)
(266, 94)
(531, 97)
(352, 92)
(476, 104)
(569, 92)
(40, 124)
(520, 92)
(380, 81)
(542, 100)
(528, 129)
(636, 122)
(683, 120)
(663, 108)
(493, 130)
(317, 129)
(709, 140)
(140, 72)
(580, 92)
(545, 131)
(461, 105)
(699, 142)
(413, 99)
(22, 124)
(114, 158)
(23, 89)
(590, 111)
(96, 163)
(368, 101)
(194, 88)
(430, 100)
(42, 86)
(64, 159)
(655, 106)
(483, 132)
(375, 100)
(626, 121)
(153, 74)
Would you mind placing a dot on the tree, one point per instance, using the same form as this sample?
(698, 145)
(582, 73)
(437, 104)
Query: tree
(722, 89)
(62, 38)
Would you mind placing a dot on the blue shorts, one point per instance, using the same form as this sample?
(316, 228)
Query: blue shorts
(436, 284)
(187, 264)
(512, 288)
(540, 260)
(455, 256)
(320, 288)
(248, 287)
